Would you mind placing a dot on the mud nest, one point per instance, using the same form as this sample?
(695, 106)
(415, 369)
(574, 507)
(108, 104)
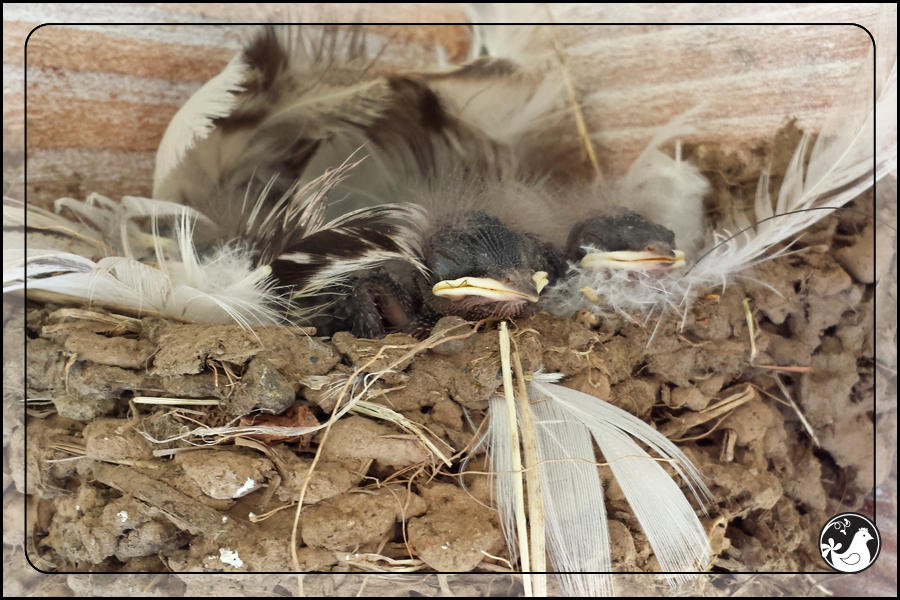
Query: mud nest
(782, 428)
(117, 485)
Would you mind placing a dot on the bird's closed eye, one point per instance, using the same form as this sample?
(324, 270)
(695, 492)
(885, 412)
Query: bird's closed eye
(447, 265)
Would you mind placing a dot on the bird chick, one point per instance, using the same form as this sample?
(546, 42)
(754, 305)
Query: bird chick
(623, 239)
(480, 268)
(476, 267)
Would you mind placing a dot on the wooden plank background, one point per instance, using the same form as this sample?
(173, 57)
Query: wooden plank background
(100, 96)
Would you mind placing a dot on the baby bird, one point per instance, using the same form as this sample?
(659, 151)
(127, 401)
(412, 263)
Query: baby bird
(480, 268)
(623, 239)
(476, 267)
(303, 100)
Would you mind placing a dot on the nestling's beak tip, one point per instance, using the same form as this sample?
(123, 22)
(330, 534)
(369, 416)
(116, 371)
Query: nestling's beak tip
(541, 279)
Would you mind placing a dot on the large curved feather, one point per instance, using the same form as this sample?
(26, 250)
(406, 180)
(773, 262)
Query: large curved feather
(195, 120)
(565, 420)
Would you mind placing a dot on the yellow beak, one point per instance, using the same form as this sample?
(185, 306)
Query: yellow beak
(637, 261)
(456, 289)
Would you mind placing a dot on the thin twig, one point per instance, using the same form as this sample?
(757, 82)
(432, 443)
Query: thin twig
(533, 482)
(176, 401)
(749, 315)
(678, 426)
(787, 396)
(573, 100)
(789, 369)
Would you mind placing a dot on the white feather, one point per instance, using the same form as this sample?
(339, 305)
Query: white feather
(841, 167)
(19, 264)
(575, 517)
(492, 34)
(531, 103)
(573, 500)
(498, 440)
(526, 99)
(326, 92)
(666, 190)
(238, 294)
(47, 230)
(671, 526)
(194, 121)
(113, 224)
(231, 282)
(627, 293)
(224, 286)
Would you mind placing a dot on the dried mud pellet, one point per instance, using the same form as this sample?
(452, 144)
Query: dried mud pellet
(202, 385)
(328, 479)
(188, 349)
(115, 440)
(690, 397)
(225, 475)
(261, 388)
(82, 408)
(449, 414)
(858, 259)
(455, 532)
(44, 365)
(456, 326)
(152, 328)
(636, 396)
(621, 544)
(115, 351)
(358, 437)
(348, 522)
(298, 355)
(148, 539)
(91, 390)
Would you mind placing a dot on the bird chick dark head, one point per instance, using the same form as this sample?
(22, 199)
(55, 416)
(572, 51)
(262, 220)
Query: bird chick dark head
(480, 268)
(623, 239)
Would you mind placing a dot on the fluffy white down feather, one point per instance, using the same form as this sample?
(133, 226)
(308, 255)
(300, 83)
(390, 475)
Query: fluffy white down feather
(223, 286)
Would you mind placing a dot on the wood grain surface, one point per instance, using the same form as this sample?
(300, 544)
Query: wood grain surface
(100, 96)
